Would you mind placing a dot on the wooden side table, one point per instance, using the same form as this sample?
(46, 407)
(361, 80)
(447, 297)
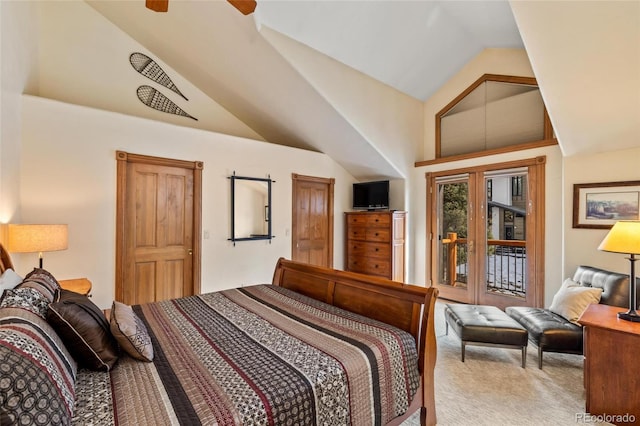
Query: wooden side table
(611, 367)
(79, 285)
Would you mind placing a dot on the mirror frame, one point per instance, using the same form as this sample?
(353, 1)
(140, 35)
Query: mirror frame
(548, 128)
(269, 236)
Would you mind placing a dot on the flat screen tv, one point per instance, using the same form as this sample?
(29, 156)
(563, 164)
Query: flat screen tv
(371, 195)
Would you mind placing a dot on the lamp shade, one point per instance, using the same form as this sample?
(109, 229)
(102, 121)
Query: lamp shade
(624, 237)
(36, 238)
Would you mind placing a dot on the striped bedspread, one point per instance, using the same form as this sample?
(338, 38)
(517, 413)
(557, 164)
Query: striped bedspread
(259, 355)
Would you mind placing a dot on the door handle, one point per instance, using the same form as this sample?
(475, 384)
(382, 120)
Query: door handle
(190, 252)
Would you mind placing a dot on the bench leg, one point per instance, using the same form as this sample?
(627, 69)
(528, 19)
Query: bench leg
(524, 356)
(539, 357)
(463, 347)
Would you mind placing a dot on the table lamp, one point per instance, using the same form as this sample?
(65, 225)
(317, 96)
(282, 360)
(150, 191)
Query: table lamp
(624, 237)
(36, 238)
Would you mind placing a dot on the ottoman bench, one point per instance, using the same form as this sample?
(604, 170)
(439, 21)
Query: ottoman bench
(485, 326)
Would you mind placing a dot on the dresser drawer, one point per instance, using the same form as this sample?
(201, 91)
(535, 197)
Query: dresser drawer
(378, 220)
(369, 219)
(357, 233)
(369, 265)
(378, 235)
(358, 248)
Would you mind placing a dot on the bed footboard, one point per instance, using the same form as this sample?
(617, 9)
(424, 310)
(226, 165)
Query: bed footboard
(408, 307)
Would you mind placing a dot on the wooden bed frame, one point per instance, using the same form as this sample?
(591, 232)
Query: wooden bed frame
(408, 307)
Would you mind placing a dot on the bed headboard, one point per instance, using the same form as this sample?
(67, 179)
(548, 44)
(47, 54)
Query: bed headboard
(401, 305)
(5, 260)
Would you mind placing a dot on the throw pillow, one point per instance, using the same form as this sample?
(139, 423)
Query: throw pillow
(84, 329)
(9, 279)
(25, 298)
(572, 299)
(42, 281)
(130, 332)
(38, 374)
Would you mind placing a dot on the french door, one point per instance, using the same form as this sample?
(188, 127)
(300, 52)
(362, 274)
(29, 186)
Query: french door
(486, 232)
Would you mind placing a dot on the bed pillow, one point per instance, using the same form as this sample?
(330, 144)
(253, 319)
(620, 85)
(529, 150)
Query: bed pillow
(84, 329)
(38, 374)
(130, 332)
(25, 298)
(42, 281)
(572, 299)
(9, 279)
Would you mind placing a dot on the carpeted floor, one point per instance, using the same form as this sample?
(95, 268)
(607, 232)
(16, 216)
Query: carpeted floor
(491, 387)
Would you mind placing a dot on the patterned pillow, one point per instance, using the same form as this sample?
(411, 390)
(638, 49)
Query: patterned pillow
(37, 373)
(130, 332)
(25, 298)
(84, 329)
(42, 281)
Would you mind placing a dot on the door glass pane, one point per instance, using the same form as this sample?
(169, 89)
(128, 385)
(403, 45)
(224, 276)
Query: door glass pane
(506, 260)
(453, 268)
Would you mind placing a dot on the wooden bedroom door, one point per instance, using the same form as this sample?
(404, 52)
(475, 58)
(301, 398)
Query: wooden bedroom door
(312, 220)
(158, 223)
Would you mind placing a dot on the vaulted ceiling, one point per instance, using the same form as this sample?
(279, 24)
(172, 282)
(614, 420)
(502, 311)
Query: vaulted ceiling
(410, 46)
(413, 46)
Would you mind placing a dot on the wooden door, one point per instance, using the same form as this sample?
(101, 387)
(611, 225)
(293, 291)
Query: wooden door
(487, 233)
(452, 242)
(158, 223)
(312, 227)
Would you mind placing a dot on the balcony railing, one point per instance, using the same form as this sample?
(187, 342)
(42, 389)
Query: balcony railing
(506, 265)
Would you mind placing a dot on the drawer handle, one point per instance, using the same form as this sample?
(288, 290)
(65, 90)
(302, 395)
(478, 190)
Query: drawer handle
(377, 234)
(377, 249)
(375, 266)
(377, 220)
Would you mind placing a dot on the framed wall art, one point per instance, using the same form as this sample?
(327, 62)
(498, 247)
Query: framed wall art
(600, 205)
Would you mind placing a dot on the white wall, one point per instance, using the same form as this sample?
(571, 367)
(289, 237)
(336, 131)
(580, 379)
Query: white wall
(389, 119)
(586, 56)
(84, 60)
(19, 49)
(581, 245)
(68, 175)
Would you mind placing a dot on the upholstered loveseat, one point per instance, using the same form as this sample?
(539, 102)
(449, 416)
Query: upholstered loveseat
(551, 332)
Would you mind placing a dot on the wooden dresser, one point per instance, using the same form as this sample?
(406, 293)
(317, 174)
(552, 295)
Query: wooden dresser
(611, 367)
(375, 243)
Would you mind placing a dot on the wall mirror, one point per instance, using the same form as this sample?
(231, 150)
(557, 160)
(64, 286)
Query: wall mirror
(250, 208)
(496, 112)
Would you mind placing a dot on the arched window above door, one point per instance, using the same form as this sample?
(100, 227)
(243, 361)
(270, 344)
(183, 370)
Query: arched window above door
(496, 113)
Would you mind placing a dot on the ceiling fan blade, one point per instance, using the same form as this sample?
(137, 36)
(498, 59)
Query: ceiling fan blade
(245, 7)
(158, 5)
